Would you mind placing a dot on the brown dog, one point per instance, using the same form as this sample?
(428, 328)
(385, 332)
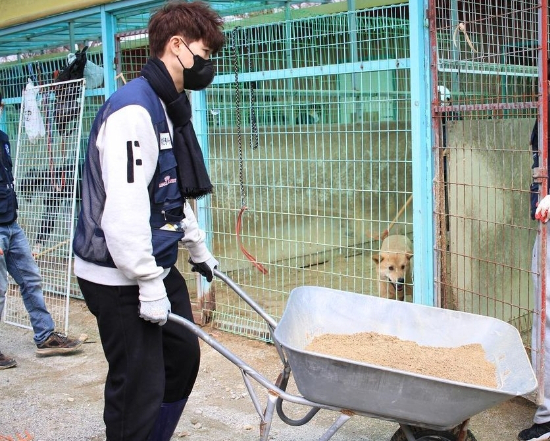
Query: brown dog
(393, 267)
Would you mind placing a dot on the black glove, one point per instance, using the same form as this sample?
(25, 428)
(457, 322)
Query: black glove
(205, 269)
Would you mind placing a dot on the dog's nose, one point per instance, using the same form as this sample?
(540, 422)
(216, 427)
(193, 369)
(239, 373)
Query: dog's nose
(401, 280)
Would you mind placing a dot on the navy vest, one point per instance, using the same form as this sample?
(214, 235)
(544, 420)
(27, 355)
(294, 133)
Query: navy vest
(165, 198)
(8, 199)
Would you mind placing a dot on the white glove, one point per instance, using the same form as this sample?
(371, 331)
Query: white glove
(155, 311)
(543, 209)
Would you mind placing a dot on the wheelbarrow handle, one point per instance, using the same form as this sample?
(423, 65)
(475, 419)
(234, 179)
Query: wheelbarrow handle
(276, 393)
(243, 295)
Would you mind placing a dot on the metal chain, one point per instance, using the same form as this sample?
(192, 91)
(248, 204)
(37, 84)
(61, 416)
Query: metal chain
(238, 115)
(254, 137)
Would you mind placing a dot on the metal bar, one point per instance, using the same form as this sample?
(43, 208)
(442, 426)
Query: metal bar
(352, 29)
(463, 434)
(199, 114)
(342, 419)
(72, 41)
(487, 106)
(74, 214)
(138, 32)
(455, 51)
(270, 320)
(422, 167)
(244, 367)
(288, 43)
(53, 20)
(472, 67)
(330, 69)
(408, 432)
(543, 149)
(253, 395)
(108, 27)
(132, 4)
(265, 425)
(440, 189)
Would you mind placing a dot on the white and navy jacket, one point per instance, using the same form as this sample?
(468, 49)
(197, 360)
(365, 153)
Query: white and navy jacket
(129, 191)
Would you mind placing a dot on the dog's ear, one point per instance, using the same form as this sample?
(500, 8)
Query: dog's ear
(377, 258)
(409, 256)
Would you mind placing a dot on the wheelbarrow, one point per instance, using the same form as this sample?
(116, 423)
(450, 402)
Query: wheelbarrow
(426, 408)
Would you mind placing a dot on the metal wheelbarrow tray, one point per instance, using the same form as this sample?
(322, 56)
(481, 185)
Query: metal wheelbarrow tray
(389, 393)
(426, 408)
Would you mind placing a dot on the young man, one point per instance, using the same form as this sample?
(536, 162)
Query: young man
(143, 163)
(16, 258)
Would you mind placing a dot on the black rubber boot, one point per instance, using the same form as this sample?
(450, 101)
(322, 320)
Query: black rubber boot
(167, 420)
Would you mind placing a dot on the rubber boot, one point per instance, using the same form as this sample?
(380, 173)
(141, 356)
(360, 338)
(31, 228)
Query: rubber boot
(167, 420)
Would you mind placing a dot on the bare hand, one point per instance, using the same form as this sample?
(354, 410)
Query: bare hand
(543, 209)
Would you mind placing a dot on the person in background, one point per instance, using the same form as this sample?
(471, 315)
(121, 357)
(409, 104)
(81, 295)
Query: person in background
(540, 430)
(16, 259)
(143, 164)
(310, 115)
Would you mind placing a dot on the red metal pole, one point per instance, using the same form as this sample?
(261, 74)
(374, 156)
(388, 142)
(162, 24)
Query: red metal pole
(435, 120)
(543, 174)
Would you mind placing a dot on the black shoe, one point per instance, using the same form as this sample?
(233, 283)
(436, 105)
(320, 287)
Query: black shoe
(6, 362)
(57, 344)
(537, 432)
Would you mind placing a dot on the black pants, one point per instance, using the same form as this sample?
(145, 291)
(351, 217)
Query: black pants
(148, 364)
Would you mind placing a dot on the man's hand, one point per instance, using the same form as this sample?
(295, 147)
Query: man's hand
(155, 311)
(543, 208)
(205, 269)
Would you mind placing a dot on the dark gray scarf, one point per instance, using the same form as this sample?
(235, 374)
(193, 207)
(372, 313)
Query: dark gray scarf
(193, 178)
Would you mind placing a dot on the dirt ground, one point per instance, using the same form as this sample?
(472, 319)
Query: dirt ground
(60, 398)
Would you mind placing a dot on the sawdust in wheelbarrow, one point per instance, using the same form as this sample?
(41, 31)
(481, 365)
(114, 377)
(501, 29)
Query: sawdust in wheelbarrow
(466, 364)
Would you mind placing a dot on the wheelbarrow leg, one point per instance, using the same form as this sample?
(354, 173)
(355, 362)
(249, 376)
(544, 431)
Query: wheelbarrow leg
(463, 430)
(407, 431)
(265, 425)
(342, 419)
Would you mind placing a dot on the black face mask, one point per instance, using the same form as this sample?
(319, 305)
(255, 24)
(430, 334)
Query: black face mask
(200, 75)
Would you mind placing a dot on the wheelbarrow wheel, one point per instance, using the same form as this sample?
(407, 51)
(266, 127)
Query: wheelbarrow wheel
(421, 434)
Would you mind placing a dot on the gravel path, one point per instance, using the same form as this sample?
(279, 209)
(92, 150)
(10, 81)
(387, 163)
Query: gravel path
(60, 398)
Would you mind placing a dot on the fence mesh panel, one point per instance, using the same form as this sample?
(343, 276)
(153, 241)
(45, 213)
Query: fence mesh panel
(46, 175)
(485, 108)
(308, 127)
(321, 159)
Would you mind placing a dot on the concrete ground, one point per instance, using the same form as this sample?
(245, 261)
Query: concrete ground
(61, 398)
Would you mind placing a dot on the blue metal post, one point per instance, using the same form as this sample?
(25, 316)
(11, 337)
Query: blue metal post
(72, 42)
(422, 154)
(108, 30)
(199, 112)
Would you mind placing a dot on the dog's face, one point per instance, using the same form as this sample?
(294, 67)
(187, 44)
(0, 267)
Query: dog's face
(393, 267)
